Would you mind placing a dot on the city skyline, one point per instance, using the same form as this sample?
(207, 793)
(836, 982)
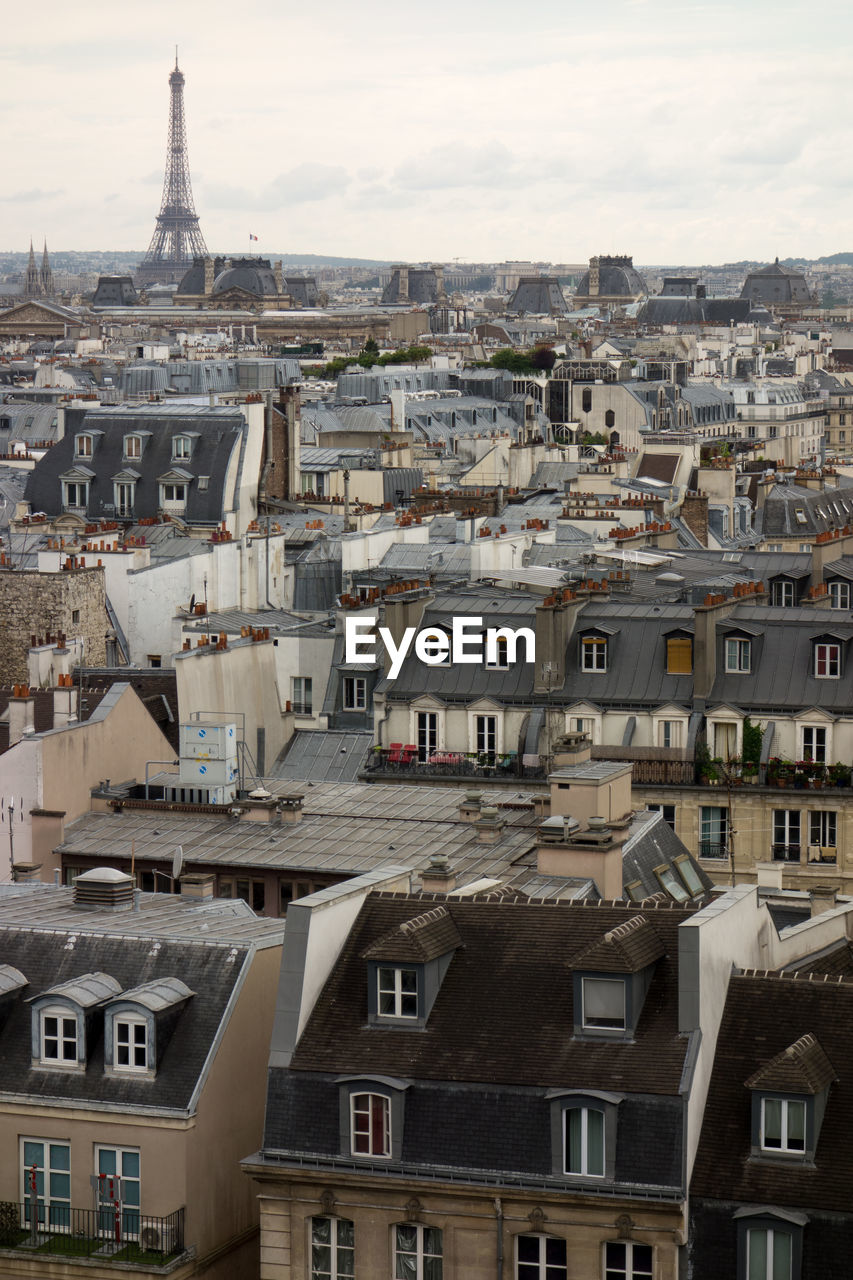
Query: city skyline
(704, 136)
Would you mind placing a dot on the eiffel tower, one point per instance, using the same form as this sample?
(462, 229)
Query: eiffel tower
(177, 237)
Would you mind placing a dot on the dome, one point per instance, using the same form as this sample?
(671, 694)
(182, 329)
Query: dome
(254, 277)
(774, 284)
(671, 310)
(616, 278)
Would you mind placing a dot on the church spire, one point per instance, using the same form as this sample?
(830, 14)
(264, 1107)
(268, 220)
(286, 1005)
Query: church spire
(32, 282)
(46, 275)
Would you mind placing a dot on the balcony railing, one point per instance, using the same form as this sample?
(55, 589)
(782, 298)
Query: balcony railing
(387, 762)
(713, 849)
(105, 1234)
(786, 852)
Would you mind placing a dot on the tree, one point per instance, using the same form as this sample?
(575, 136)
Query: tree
(517, 362)
(543, 358)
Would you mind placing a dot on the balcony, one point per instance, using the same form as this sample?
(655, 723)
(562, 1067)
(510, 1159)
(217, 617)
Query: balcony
(385, 762)
(786, 852)
(103, 1235)
(713, 849)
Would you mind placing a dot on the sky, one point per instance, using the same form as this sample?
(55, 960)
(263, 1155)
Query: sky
(689, 133)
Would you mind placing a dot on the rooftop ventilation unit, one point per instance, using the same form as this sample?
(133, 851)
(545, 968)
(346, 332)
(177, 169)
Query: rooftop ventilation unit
(103, 889)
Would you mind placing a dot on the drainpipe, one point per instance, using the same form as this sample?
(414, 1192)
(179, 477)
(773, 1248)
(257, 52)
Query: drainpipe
(270, 604)
(499, 1220)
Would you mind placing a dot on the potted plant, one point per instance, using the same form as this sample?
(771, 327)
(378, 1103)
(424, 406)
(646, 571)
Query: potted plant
(839, 774)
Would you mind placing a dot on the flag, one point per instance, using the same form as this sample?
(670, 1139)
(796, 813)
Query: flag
(251, 237)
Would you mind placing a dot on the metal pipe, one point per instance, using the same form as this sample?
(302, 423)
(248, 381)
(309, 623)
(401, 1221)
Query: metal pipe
(499, 1222)
(175, 764)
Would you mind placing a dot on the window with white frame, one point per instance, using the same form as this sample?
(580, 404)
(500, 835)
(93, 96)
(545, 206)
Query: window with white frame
(668, 811)
(583, 1141)
(839, 595)
(76, 493)
(725, 739)
(172, 494)
(301, 695)
(783, 1124)
(603, 1003)
(332, 1249)
(814, 742)
(418, 1252)
(669, 733)
(738, 655)
(782, 594)
(486, 734)
(769, 1254)
(58, 1036)
(713, 831)
(540, 1258)
(786, 835)
(133, 446)
(123, 494)
(123, 1163)
(130, 1043)
(823, 828)
(501, 661)
(370, 1127)
(46, 1183)
(594, 653)
(355, 693)
(583, 724)
(627, 1260)
(83, 446)
(397, 992)
(182, 446)
(827, 661)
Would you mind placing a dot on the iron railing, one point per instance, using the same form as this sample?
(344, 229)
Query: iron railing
(786, 852)
(110, 1235)
(450, 764)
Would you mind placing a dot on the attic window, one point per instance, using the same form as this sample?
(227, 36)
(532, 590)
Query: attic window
(181, 447)
(604, 1003)
(800, 515)
(130, 1048)
(397, 992)
(679, 655)
(827, 661)
(594, 653)
(133, 446)
(58, 1036)
(203, 482)
(83, 446)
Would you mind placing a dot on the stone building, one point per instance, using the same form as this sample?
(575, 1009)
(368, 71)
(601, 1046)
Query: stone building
(244, 284)
(611, 281)
(773, 286)
(71, 603)
(415, 285)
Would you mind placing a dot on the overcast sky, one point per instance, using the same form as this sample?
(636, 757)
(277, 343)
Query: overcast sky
(475, 129)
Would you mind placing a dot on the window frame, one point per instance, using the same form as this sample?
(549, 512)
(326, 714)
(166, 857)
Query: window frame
(62, 1013)
(84, 445)
(839, 594)
(135, 1021)
(584, 1110)
(742, 664)
(818, 749)
(350, 698)
(397, 993)
(385, 1125)
(182, 448)
(175, 486)
(601, 1028)
(302, 705)
(47, 1204)
(81, 489)
(334, 1246)
(132, 447)
(823, 823)
(785, 1104)
(827, 652)
(677, 648)
(719, 823)
(628, 1271)
(594, 655)
(544, 1270)
(419, 1252)
(130, 1213)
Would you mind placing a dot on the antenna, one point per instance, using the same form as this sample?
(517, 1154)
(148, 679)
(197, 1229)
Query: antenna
(178, 862)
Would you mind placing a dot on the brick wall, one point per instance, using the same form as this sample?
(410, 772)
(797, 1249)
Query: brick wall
(41, 604)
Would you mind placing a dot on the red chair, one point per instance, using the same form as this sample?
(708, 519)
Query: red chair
(410, 753)
(395, 753)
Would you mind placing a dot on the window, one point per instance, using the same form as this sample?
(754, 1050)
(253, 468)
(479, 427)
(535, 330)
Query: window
(769, 1254)
(133, 446)
(83, 446)
(332, 1249)
(782, 594)
(671, 882)
(123, 493)
(181, 447)
(668, 811)
(669, 733)
(814, 743)
(786, 835)
(842, 419)
(583, 1144)
(713, 832)
(155, 660)
(486, 734)
(737, 655)
(417, 1252)
(76, 494)
(725, 739)
(839, 595)
(58, 1036)
(540, 1258)
(123, 1163)
(689, 875)
(594, 653)
(679, 655)
(783, 1125)
(609, 418)
(370, 1127)
(625, 1260)
(203, 483)
(355, 693)
(174, 493)
(289, 891)
(427, 734)
(827, 661)
(586, 400)
(46, 1183)
(75, 616)
(251, 891)
(301, 695)
(397, 991)
(130, 1051)
(501, 662)
(603, 1003)
(823, 828)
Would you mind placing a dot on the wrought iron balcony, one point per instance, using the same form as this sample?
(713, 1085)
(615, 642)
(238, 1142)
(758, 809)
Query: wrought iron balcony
(407, 761)
(108, 1235)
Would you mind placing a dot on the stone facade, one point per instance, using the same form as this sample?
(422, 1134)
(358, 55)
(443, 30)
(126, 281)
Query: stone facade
(71, 603)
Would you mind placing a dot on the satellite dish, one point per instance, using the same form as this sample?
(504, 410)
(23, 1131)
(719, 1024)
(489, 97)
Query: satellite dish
(192, 602)
(178, 862)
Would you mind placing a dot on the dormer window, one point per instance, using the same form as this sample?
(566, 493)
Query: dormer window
(498, 659)
(76, 495)
(58, 1035)
(584, 1141)
(83, 446)
(133, 446)
(789, 1096)
(839, 595)
(130, 1047)
(611, 978)
(827, 661)
(182, 447)
(397, 992)
(603, 1003)
(783, 1125)
(594, 653)
(738, 655)
(679, 655)
(371, 1124)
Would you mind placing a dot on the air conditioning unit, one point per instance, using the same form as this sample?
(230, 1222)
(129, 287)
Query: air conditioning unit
(155, 1234)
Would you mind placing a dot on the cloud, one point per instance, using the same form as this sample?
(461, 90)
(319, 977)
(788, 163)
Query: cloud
(30, 196)
(301, 185)
(459, 165)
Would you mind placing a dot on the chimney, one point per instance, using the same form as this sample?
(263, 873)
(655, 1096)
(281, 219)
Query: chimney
(24, 872)
(826, 550)
(439, 876)
(822, 897)
(260, 806)
(469, 808)
(594, 853)
(571, 749)
(555, 622)
(290, 807)
(705, 618)
(401, 611)
(197, 885)
(21, 713)
(64, 703)
(489, 825)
